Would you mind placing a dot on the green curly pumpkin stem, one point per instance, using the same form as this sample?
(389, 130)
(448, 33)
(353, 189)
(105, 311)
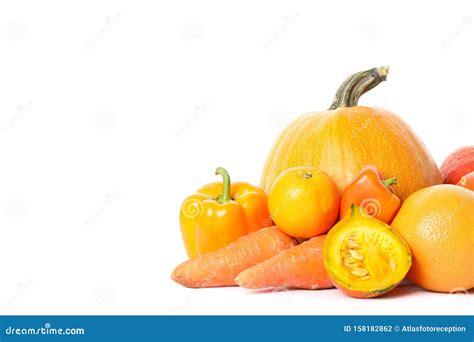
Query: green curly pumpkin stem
(356, 85)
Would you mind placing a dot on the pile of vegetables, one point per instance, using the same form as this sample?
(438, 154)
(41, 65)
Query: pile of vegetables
(325, 216)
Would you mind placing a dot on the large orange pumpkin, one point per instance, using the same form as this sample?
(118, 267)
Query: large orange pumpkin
(346, 137)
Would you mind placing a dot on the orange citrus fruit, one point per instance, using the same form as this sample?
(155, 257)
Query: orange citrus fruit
(438, 224)
(304, 202)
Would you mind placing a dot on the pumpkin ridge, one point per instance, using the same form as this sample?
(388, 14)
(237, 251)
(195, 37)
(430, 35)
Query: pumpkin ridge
(275, 149)
(293, 139)
(341, 142)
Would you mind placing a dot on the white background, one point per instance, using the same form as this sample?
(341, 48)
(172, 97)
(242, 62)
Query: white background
(112, 112)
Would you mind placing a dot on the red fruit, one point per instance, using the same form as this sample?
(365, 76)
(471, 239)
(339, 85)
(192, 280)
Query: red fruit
(457, 164)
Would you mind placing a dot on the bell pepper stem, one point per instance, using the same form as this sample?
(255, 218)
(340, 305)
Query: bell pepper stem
(225, 195)
(390, 181)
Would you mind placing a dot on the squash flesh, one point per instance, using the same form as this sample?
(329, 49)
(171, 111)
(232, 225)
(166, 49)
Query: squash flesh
(364, 257)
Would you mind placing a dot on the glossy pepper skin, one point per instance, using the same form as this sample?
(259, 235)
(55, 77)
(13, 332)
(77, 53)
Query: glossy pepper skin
(467, 181)
(219, 213)
(370, 191)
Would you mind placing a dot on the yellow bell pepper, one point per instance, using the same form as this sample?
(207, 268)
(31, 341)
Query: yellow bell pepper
(219, 213)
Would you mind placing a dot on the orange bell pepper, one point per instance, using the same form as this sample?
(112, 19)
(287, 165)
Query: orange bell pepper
(219, 213)
(369, 191)
(467, 181)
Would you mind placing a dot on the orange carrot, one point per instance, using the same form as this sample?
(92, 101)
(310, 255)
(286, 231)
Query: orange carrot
(298, 267)
(219, 268)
